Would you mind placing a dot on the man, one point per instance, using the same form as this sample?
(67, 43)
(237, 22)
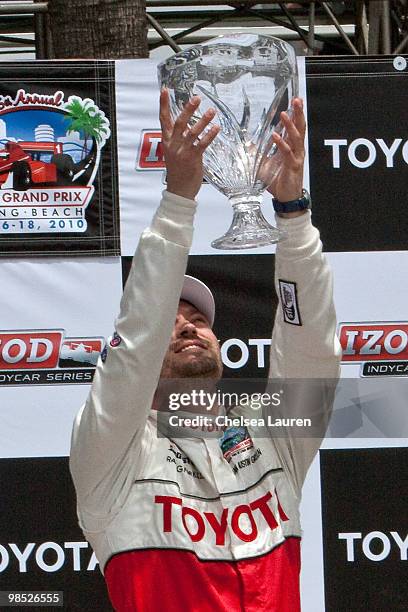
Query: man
(176, 523)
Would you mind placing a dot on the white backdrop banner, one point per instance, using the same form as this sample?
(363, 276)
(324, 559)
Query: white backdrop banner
(56, 313)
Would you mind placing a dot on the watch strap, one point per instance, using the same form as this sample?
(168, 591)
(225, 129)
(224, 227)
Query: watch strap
(293, 205)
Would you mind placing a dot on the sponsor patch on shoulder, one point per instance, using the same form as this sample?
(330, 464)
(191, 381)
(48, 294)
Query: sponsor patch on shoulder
(115, 340)
(288, 297)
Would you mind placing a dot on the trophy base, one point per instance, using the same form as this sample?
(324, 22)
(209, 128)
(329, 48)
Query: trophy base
(249, 229)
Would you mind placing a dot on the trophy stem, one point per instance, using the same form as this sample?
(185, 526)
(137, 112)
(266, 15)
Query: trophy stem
(249, 228)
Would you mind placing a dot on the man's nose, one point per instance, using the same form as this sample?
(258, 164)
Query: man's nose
(186, 328)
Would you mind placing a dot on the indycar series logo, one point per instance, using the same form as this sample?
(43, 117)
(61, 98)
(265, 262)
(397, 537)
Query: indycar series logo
(381, 349)
(44, 357)
(50, 151)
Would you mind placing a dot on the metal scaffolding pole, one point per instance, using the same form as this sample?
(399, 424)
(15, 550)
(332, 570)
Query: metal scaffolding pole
(379, 26)
(40, 36)
(338, 27)
(379, 37)
(292, 20)
(23, 8)
(385, 28)
(311, 35)
(402, 45)
(168, 39)
(209, 22)
(361, 34)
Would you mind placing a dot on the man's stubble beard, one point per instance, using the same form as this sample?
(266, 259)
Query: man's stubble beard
(185, 377)
(208, 366)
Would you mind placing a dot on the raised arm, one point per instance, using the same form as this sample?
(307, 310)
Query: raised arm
(304, 342)
(115, 414)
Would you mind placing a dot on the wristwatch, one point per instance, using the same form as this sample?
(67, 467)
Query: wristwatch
(293, 205)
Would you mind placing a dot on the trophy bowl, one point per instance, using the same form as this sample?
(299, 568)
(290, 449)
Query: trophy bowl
(249, 79)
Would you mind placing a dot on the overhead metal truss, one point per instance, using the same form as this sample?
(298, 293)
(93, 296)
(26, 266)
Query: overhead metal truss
(357, 27)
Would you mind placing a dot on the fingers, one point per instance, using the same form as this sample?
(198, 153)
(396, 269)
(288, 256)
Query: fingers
(298, 116)
(181, 123)
(165, 117)
(281, 144)
(200, 126)
(293, 137)
(208, 137)
(295, 127)
(180, 130)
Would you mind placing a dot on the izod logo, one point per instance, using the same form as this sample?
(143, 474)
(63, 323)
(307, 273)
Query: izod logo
(150, 151)
(29, 350)
(46, 357)
(374, 342)
(383, 344)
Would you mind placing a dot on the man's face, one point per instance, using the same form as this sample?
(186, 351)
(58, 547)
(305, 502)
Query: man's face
(193, 351)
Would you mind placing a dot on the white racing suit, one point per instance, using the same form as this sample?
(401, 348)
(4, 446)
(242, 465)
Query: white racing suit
(176, 524)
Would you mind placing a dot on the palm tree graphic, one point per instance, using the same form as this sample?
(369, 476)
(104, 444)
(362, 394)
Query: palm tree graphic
(86, 118)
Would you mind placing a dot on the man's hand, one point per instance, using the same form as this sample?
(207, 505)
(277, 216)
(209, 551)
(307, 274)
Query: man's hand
(184, 146)
(288, 182)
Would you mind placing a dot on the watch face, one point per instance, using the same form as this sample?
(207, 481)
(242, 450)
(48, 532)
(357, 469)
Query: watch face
(307, 199)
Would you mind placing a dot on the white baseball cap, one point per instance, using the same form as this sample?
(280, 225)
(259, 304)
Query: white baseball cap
(199, 295)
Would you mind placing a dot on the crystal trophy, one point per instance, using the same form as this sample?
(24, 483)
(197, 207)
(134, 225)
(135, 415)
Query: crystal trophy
(249, 79)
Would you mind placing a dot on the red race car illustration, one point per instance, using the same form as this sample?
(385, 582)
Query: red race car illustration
(35, 163)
